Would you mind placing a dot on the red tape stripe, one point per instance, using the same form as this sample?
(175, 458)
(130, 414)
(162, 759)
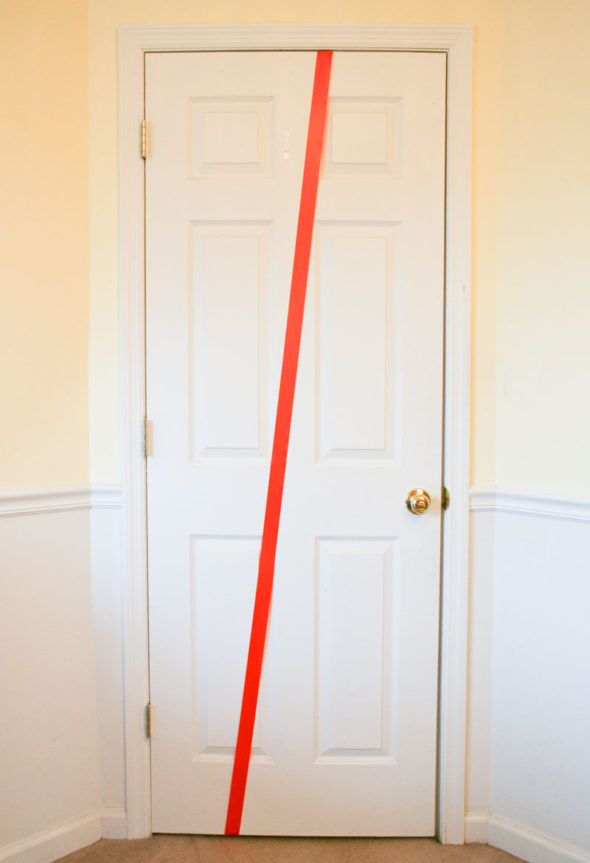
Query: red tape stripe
(266, 565)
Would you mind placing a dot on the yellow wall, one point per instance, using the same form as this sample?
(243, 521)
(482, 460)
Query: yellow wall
(43, 242)
(543, 371)
(531, 227)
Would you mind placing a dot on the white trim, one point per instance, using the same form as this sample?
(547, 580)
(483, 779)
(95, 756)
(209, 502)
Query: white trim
(132, 45)
(530, 845)
(490, 498)
(56, 842)
(457, 42)
(309, 37)
(58, 498)
(113, 823)
(34, 501)
(455, 548)
(521, 841)
(476, 828)
(104, 496)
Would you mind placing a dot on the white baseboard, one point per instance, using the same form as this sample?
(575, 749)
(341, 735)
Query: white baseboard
(114, 823)
(521, 841)
(54, 843)
(476, 828)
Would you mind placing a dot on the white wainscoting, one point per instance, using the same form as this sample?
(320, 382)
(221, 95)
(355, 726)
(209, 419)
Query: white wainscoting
(108, 592)
(107, 618)
(49, 791)
(479, 674)
(88, 530)
(530, 649)
(528, 770)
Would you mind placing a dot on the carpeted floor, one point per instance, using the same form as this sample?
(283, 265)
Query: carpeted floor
(219, 849)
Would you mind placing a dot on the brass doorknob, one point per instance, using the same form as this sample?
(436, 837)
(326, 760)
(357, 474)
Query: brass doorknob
(418, 501)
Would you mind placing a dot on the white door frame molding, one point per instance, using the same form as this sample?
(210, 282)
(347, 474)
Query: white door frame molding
(457, 43)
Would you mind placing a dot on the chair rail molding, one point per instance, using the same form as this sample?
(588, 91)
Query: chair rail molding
(58, 498)
(494, 499)
(457, 43)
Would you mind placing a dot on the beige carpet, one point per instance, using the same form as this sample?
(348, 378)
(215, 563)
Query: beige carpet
(219, 849)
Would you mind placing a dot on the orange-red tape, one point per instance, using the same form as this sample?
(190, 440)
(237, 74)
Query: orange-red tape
(266, 565)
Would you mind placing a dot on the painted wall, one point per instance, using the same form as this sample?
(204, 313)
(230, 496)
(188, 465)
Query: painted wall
(49, 792)
(543, 258)
(44, 242)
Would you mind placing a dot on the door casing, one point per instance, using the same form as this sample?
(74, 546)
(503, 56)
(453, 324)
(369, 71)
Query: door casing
(457, 43)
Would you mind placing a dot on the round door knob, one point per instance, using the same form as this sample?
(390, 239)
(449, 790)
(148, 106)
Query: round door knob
(418, 501)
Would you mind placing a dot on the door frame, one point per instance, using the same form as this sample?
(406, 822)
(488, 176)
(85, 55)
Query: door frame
(457, 43)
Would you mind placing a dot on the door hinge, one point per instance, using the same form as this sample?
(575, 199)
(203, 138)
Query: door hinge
(145, 438)
(445, 498)
(143, 138)
(148, 720)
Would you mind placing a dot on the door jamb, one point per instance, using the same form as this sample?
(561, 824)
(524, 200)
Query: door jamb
(457, 43)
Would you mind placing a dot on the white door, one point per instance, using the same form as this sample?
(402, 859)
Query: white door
(345, 740)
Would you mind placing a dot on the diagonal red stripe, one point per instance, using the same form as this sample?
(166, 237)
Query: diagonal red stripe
(266, 565)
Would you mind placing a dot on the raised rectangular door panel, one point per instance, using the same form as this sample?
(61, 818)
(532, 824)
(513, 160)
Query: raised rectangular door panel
(345, 738)
(357, 364)
(223, 581)
(229, 339)
(357, 648)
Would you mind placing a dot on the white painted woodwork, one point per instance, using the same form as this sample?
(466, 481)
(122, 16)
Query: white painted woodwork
(49, 792)
(541, 674)
(356, 652)
(529, 700)
(229, 418)
(456, 43)
(224, 571)
(59, 840)
(351, 560)
(105, 563)
(358, 365)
